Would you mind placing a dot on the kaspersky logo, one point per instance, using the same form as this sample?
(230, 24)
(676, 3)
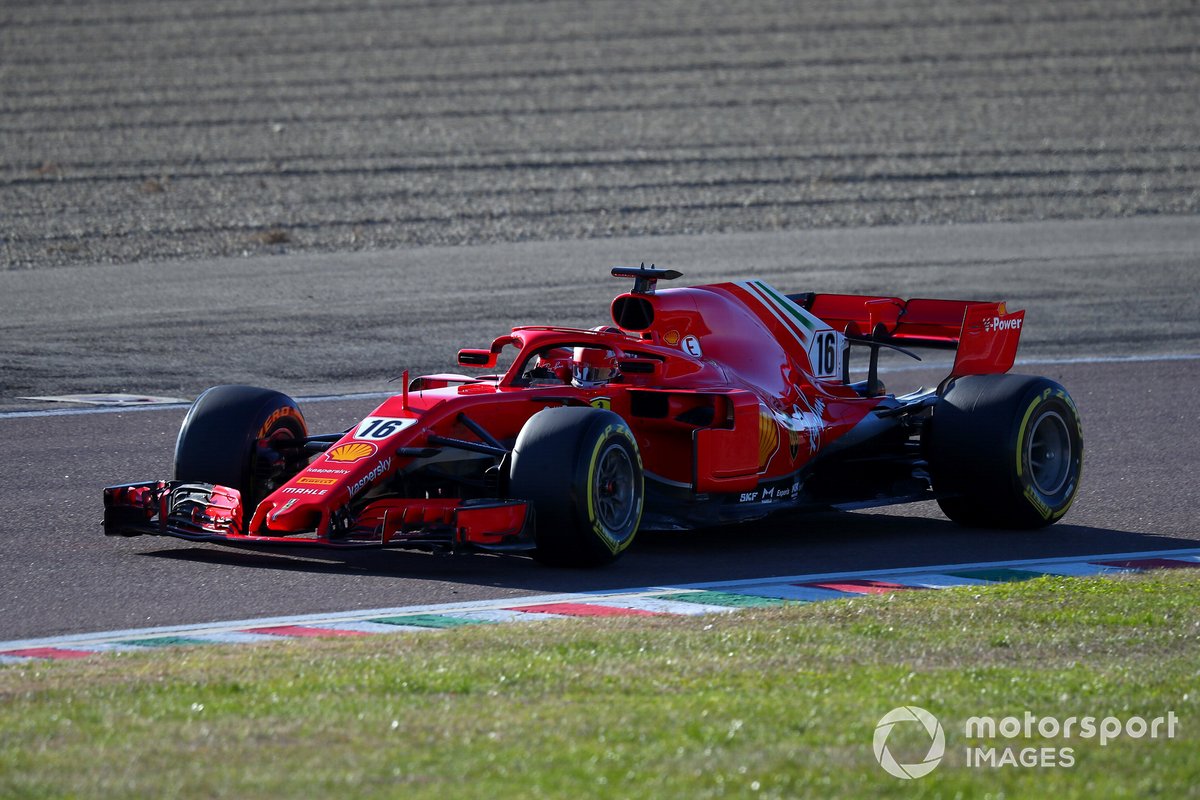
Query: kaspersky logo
(909, 716)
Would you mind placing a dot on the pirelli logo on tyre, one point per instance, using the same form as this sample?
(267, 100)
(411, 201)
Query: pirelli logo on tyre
(284, 412)
(614, 533)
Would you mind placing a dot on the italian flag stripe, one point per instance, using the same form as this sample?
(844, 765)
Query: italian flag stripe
(788, 306)
(772, 308)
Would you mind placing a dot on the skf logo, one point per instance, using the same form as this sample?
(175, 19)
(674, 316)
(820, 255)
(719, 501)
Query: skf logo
(354, 451)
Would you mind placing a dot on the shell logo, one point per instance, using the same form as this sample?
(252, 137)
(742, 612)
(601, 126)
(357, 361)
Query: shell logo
(768, 438)
(354, 451)
(672, 338)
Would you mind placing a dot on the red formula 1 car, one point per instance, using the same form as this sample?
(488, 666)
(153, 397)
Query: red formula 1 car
(695, 407)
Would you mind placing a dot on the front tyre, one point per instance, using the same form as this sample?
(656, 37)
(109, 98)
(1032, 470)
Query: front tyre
(1006, 451)
(580, 470)
(236, 436)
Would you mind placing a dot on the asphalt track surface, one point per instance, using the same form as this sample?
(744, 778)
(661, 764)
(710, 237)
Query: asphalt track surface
(1112, 314)
(316, 195)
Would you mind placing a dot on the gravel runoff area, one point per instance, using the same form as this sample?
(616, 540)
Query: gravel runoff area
(175, 129)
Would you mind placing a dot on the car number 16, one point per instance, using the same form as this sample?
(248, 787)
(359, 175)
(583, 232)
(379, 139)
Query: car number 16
(379, 428)
(825, 354)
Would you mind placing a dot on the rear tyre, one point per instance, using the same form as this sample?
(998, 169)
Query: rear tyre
(1006, 450)
(231, 437)
(580, 470)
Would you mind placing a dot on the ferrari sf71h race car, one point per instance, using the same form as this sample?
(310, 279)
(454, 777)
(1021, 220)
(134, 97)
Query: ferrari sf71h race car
(694, 407)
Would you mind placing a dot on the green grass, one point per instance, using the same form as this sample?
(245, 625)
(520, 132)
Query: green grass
(767, 702)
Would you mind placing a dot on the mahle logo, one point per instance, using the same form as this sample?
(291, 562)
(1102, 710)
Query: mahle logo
(908, 715)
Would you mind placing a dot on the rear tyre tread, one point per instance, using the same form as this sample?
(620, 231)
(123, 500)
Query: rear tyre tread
(983, 448)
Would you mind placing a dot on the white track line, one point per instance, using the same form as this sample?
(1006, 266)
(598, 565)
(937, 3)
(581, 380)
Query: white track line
(1182, 554)
(1054, 362)
(76, 412)
(338, 398)
(775, 587)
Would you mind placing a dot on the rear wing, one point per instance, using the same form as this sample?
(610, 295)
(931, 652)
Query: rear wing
(984, 335)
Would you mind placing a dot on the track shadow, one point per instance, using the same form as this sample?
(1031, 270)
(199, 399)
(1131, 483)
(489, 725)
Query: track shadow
(788, 545)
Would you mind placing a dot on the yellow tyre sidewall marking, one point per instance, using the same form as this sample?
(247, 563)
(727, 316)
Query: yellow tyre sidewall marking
(610, 542)
(1025, 426)
(1030, 493)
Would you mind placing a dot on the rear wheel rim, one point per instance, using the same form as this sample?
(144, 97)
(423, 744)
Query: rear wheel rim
(1048, 453)
(613, 488)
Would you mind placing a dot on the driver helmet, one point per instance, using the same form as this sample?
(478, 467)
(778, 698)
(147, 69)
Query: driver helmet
(592, 366)
(552, 365)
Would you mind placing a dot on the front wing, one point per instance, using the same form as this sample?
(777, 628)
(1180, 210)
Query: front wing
(202, 512)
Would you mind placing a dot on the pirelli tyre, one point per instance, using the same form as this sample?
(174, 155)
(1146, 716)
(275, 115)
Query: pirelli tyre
(581, 471)
(1005, 451)
(232, 437)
